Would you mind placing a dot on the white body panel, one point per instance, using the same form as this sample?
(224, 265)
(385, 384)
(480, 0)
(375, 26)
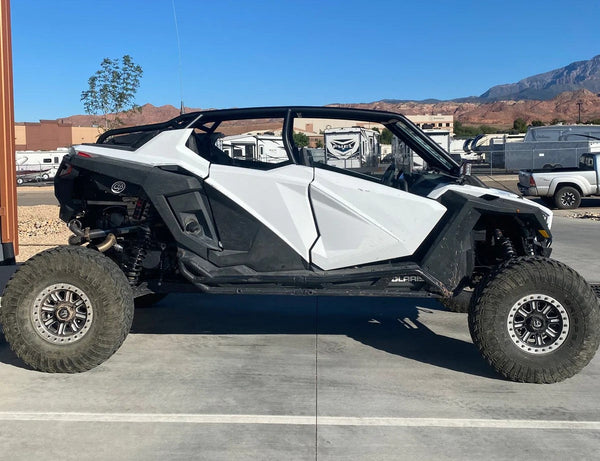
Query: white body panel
(361, 221)
(479, 191)
(166, 148)
(278, 198)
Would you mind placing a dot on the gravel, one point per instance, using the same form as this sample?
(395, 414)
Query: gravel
(40, 229)
(585, 215)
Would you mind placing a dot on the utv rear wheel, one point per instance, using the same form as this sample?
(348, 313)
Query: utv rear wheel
(67, 310)
(567, 198)
(535, 320)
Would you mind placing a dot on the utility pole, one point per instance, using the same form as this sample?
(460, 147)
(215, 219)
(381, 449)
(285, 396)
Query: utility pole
(579, 105)
(9, 246)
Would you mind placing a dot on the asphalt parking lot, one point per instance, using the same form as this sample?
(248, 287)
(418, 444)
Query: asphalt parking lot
(271, 377)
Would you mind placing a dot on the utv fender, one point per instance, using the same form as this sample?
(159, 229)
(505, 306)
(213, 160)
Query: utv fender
(448, 253)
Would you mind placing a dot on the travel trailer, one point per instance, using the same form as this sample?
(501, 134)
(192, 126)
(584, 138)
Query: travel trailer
(258, 147)
(36, 165)
(352, 147)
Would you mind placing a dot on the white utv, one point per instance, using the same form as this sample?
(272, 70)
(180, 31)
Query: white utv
(160, 208)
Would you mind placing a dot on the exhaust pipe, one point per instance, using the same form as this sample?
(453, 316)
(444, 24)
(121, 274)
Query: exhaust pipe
(108, 243)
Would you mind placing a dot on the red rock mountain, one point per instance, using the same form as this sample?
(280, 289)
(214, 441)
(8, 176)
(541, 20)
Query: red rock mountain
(499, 113)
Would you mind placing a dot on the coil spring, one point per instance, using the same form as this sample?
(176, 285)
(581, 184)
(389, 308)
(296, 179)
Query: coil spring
(505, 244)
(133, 266)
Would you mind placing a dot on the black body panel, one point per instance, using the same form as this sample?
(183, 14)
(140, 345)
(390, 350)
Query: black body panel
(448, 252)
(247, 241)
(178, 198)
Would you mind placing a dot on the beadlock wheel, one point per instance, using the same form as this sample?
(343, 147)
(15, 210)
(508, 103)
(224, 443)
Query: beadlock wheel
(535, 320)
(538, 324)
(66, 310)
(62, 313)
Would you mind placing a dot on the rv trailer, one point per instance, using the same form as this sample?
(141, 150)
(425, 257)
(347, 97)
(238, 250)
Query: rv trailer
(258, 147)
(352, 147)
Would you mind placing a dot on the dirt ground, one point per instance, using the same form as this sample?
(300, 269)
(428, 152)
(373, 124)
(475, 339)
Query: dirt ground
(39, 229)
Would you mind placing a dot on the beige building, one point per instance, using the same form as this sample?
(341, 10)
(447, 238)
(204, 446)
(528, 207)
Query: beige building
(433, 122)
(316, 126)
(50, 135)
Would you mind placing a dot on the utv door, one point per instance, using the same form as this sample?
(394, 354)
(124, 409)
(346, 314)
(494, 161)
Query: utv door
(361, 221)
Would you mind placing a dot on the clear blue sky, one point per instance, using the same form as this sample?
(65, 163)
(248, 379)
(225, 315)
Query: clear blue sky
(252, 53)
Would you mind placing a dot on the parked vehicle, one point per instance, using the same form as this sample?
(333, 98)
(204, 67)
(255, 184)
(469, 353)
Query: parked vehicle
(563, 187)
(38, 165)
(259, 147)
(36, 176)
(161, 208)
(351, 147)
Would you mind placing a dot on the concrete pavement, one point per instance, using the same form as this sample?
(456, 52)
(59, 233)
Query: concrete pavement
(226, 377)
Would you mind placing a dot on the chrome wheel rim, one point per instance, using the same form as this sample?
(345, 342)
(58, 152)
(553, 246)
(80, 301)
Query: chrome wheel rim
(568, 199)
(538, 324)
(62, 314)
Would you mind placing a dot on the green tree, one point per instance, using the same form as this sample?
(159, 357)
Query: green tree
(319, 144)
(520, 125)
(112, 89)
(386, 136)
(537, 123)
(300, 139)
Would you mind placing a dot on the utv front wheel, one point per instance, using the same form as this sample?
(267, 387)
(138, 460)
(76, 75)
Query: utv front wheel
(535, 320)
(67, 310)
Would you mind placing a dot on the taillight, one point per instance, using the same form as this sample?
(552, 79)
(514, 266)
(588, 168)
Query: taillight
(84, 154)
(65, 170)
(532, 181)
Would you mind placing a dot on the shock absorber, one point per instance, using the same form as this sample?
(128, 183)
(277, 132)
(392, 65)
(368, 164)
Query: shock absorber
(133, 266)
(505, 244)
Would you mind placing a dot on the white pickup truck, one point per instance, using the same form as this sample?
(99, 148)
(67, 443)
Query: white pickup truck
(563, 187)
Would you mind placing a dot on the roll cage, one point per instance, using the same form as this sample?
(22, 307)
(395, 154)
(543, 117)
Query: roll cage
(208, 122)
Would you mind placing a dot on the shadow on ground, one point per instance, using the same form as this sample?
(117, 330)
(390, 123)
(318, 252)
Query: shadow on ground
(387, 324)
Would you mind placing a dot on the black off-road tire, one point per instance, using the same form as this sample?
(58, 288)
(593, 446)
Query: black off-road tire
(567, 198)
(148, 300)
(74, 288)
(459, 303)
(564, 317)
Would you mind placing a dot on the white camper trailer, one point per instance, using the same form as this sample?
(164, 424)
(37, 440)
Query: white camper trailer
(259, 147)
(38, 165)
(353, 147)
